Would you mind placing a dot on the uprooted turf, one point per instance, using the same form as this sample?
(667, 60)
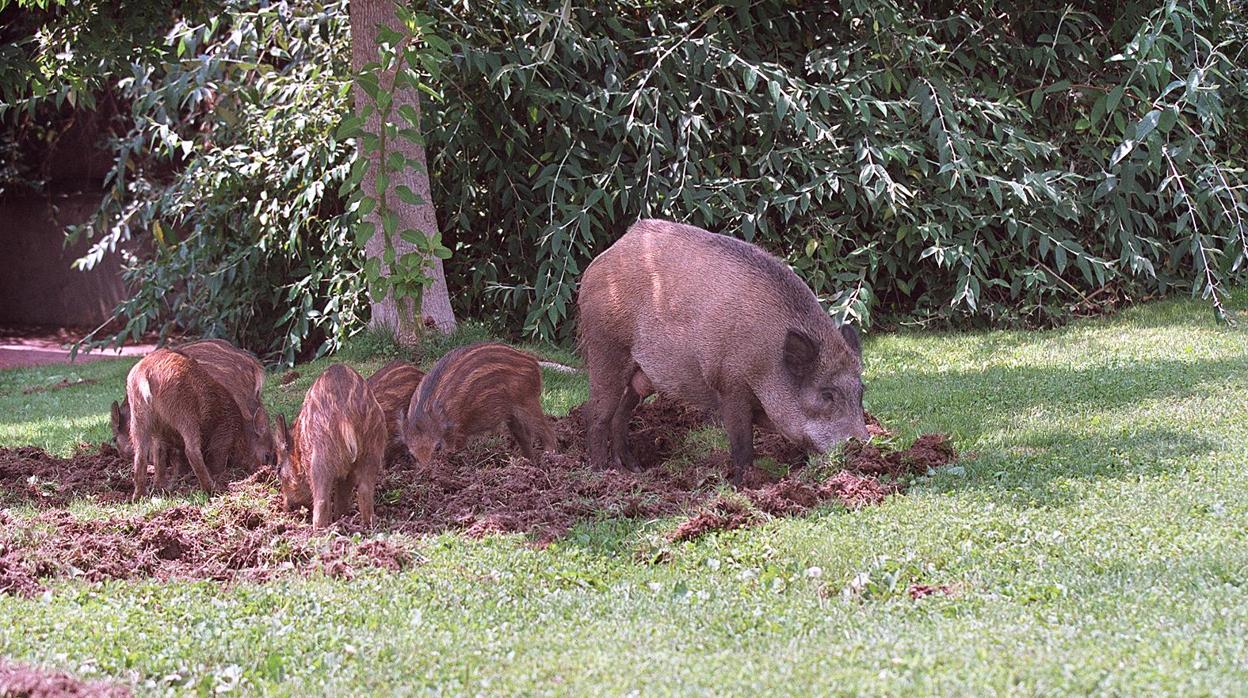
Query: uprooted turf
(245, 535)
(1091, 539)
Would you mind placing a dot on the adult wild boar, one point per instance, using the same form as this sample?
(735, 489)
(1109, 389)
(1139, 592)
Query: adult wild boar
(718, 323)
(335, 446)
(176, 405)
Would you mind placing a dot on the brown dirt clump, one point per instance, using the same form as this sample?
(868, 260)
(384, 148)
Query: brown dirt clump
(720, 514)
(855, 487)
(918, 591)
(928, 451)
(230, 541)
(21, 681)
(96, 472)
(484, 489)
(44, 480)
(789, 496)
(289, 377)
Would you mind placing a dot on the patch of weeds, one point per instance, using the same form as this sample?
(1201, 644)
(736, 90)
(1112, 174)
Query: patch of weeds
(891, 578)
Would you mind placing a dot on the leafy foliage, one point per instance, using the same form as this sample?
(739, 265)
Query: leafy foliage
(916, 162)
(231, 169)
(964, 162)
(405, 60)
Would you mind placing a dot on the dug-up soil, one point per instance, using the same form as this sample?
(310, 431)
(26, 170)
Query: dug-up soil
(21, 681)
(245, 535)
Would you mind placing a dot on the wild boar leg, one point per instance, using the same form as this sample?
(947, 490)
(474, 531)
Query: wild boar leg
(738, 416)
(621, 449)
(368, 471)
(609, 371)
(220, 444)
(160, 459)
(322, 495)
(195, 456)
(142, 453)
(342, 495)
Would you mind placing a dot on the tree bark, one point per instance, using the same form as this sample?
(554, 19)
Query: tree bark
(435, 306)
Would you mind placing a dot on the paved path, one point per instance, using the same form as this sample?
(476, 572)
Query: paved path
(44, 346)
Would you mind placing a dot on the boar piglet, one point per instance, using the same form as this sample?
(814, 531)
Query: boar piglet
(335, 445)
(175, 405)
(473, 391)
(719, 323)
(393, 385)
(237, 370)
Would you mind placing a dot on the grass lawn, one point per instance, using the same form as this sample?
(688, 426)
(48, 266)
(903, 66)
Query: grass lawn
(1096, 538)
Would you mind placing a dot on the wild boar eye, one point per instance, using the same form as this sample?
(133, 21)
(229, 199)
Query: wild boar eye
(827, 394)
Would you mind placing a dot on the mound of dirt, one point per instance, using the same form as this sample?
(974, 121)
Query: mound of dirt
(480, 490)
(45, 480)
(36, 477)
(927, 452)
(21, 681)
(720, 514)
(791, 495)
(230, 540)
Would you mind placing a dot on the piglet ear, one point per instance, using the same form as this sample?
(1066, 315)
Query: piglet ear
(800, 353)
(850, 336)
(115, 415)
(283, 432)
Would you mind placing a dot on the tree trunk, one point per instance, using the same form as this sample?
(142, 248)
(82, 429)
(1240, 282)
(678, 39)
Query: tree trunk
(435, 306)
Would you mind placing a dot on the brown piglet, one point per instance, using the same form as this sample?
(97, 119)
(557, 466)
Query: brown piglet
(176, 405)
(237, 370)
(335, 445)
(393, 385)
(475, 390)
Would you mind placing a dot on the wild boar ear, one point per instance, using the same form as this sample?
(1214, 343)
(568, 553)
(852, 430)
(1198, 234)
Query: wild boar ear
(260, 420)
(115, 415)
(283, 433)
(850, 335)
(800, 353)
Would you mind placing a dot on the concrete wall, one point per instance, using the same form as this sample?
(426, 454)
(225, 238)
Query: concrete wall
(37, 285)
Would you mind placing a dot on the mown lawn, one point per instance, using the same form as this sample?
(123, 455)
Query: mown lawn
(1096, 537)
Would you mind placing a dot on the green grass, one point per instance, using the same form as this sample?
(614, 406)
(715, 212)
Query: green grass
(1097, 536)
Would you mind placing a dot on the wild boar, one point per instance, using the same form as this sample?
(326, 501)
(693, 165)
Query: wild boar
(335, 445)
(239, 371)
(718, 323)
(177, 405)
(393, 385)
(473, 391)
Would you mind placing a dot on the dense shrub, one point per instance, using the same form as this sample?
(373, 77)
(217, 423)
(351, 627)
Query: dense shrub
(231, 166)
(927, 162)
(937, 161)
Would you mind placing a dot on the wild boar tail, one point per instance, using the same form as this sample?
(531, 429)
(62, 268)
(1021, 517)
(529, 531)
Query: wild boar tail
(349, 443)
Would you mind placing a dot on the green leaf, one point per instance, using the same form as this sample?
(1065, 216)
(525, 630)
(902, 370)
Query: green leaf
(1115, 96)
(407, 196)
(1146, 125)
(751, 78)
(350, 127)
(1124, 149)
(1169, 117)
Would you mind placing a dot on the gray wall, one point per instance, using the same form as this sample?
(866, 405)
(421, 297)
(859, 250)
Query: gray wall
(37, 285)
